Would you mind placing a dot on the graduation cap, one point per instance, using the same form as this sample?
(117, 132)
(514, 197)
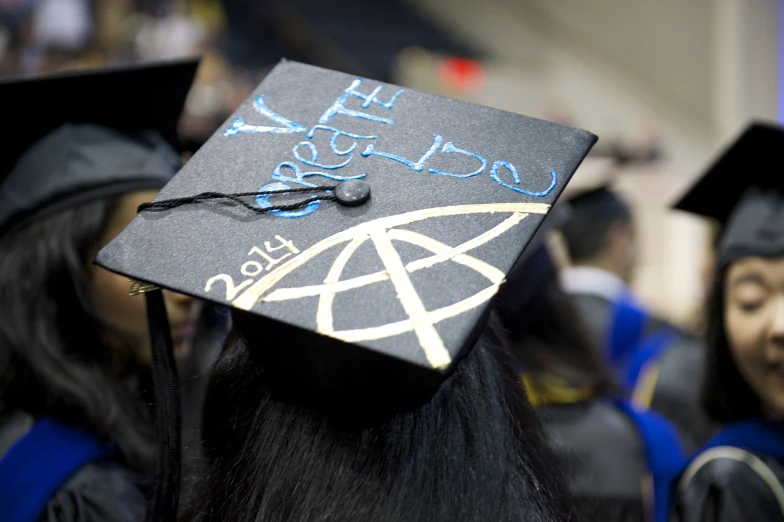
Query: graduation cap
(744, 192)
(589, 191)
(84, 135)
(351, 300)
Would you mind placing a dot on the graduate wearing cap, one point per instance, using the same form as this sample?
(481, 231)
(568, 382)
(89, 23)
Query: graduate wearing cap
(659, 374)
(600, 241)
(359, 232)
(738, 474)
(620, 459)
(81, 153)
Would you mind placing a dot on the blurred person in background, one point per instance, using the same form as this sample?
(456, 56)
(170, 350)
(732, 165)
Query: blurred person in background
(218, 90)
(601, 244)
(619, 460)
(13, 17)
(50, 35)
(55, 35)
(651, 358)
(739, 474)
(76, 440)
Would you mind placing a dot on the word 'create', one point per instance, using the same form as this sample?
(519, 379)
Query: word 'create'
(353, 103)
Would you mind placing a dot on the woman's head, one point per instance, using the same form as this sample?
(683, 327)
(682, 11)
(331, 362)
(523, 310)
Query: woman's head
(743, 195)
(745, 375)
(547, 336)
(71, 339)
(557, 344)
(126, 314)
(472, 451)
(601, 232)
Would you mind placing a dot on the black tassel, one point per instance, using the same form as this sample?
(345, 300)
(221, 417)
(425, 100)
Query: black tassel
(164, 500)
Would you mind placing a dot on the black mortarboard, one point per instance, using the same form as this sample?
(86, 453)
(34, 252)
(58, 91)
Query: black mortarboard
(88, 134)
(590, 195)
(366, 304)
(744, 191)
(595, 208)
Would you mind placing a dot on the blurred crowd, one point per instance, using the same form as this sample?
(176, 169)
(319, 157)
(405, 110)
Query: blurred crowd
(38, 36)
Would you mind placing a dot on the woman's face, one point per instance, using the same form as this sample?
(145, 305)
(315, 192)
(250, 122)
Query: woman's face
(754, 322)
(128, 314)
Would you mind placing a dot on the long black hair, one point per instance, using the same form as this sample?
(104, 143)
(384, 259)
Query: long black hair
(53, 357)
(473, 451)
(557, 343)
(547, 334)
(726, 395)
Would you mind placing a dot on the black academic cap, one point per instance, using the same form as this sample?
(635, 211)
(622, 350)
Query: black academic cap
(590, 196)
(128, 98)
(744, 191)
(348, 306)
(458, 192)
(751, 160)
(84, 135)
(594, 204)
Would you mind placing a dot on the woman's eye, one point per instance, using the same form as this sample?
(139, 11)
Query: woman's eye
(750, 296)
(750, 306)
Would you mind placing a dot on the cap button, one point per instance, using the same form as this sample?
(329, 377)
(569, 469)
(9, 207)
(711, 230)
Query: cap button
(352, 193)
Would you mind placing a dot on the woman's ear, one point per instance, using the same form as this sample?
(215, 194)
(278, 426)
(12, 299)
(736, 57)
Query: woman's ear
(620, 247)
(556, 245)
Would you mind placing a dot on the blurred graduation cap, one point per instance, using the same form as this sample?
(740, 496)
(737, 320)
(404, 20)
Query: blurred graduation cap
(592, 203)
(743, 191)
(350, 305)
(84, 135)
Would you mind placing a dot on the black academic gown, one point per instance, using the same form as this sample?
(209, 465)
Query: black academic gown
(101, 491)
(597, 314)
(732, 488)
(604, 459)
(672, 386)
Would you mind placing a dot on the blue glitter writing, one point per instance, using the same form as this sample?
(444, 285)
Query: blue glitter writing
(339, 107)
(448, 147)
(337, 133)
(313, 161)
(282, 179)
(419, 166)
(299, 176)
(289, 127)
(264, 202)
(286, 126)
(516, 177)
